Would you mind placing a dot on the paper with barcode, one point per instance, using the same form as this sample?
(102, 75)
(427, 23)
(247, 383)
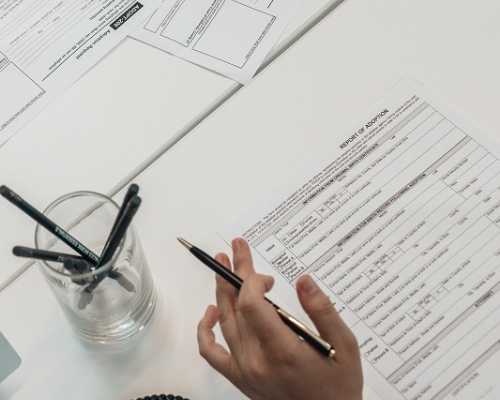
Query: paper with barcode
(46, 45)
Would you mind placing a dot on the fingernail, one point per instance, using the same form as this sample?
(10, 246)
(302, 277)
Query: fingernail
(211, 308)
(307, 285)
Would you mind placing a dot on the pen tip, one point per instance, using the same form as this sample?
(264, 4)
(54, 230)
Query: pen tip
(185, 243)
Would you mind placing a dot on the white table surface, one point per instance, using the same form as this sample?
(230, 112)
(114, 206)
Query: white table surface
(128, 109)
(297, 104)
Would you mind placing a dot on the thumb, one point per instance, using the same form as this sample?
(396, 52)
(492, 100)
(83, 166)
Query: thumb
(322, 313)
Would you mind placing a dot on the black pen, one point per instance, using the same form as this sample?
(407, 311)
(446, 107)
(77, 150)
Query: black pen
(49, 225)
(299, 328)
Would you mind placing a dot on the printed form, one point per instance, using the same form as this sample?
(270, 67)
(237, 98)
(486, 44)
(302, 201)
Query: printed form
(398, 220)
(46, 45)
(227, 36)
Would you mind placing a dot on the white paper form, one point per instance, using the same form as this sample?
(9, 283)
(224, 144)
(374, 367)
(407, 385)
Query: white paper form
(227, 36)
(398, 220)
(46, 45)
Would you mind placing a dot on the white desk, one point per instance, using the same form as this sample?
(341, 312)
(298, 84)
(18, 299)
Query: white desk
(311, 92)
(129, 108)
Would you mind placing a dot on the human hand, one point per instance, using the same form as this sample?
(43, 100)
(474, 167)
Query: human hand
(266, 359)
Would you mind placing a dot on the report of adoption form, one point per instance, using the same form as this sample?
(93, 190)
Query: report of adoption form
(398, 220)
(46, 45)
(227, 36)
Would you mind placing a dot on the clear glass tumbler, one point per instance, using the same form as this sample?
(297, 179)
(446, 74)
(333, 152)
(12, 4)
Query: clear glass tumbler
(108, 305)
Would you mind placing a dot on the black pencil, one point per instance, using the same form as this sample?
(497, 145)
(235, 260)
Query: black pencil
(132, 190)
(51, 226)
(73, 263)
(109, 251)
(120, 229)
(299, 328)
(45, 255)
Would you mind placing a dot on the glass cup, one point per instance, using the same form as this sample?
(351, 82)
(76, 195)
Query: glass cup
(108, 305)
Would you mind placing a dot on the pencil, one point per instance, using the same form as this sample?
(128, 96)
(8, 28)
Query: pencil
(45, 255)
(299, 328)
(132, 190)
(120, 229)
(51, 226)
(107, 254)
